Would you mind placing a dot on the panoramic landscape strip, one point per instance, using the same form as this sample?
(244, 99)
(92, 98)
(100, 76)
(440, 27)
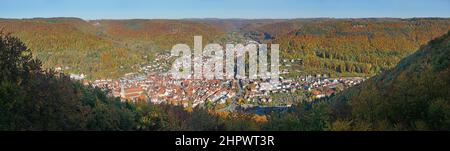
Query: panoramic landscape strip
(256, 67)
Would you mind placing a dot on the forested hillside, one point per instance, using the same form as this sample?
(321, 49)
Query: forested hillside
(413, 95)
(348, 46)
(103, 48)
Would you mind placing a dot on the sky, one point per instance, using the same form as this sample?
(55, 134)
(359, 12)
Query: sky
(249, 9)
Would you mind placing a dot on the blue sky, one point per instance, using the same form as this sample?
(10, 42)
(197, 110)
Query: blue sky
(252, 9)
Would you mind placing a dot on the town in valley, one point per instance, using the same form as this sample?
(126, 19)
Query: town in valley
(153, 83)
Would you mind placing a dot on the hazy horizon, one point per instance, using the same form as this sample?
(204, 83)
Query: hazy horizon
(222, 9)
(342, 18)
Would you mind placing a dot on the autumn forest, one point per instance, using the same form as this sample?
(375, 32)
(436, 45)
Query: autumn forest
(406, 61)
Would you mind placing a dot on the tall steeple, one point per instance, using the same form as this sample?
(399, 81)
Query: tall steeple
(122, 90)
